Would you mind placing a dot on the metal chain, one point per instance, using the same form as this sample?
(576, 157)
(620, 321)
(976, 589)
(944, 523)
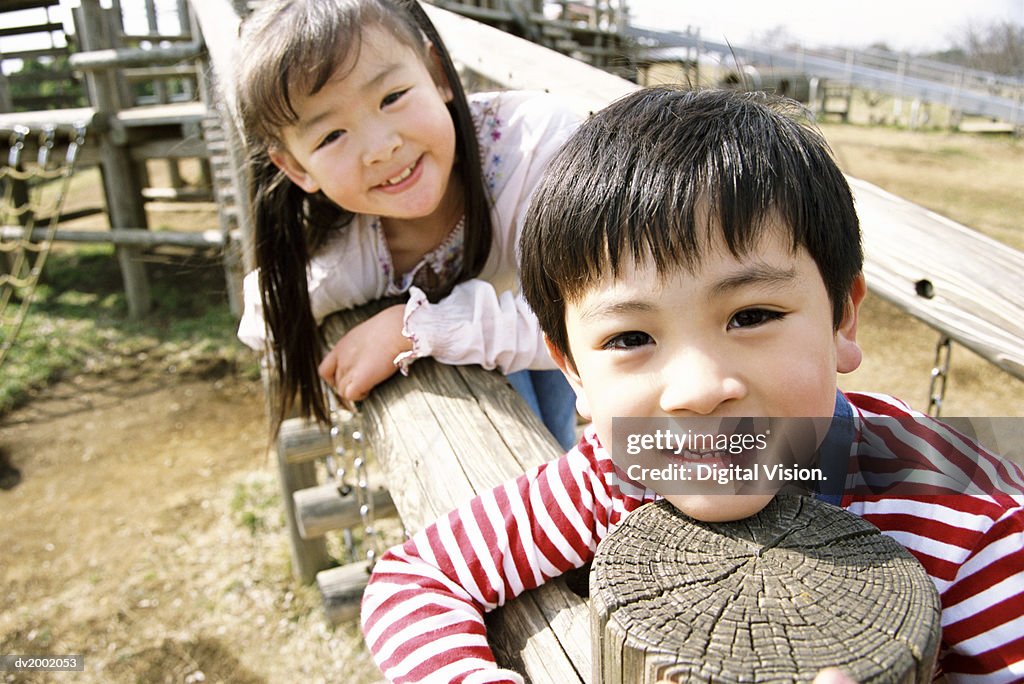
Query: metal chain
(15, 280)
(349, 458)
(940, 375)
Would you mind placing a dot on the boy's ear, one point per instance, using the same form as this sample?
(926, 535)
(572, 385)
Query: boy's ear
(848, 353)
(569, 371)
(437, 73)
(295, 171)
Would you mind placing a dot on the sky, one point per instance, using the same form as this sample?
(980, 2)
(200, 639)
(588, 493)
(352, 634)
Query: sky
(911, 25)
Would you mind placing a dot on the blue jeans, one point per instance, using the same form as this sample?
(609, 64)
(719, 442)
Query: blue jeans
(549, 395)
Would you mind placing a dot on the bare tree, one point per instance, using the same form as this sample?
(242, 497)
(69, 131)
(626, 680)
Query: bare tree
(997, 47)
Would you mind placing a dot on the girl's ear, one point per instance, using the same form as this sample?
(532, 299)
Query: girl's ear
(297, 173)
(436, 69)
(848, 353)
(569, 371)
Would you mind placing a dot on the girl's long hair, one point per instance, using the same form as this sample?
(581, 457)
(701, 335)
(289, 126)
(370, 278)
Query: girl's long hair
(292, 44)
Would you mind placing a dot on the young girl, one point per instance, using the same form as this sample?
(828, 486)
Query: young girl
(374, 176)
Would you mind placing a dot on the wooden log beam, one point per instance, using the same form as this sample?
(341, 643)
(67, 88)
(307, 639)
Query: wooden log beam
(303, 440)
(518, 64)
(322, 509)
(444, 434)
(779, 596)
(133, 237)
(960, 282)
(120, 58)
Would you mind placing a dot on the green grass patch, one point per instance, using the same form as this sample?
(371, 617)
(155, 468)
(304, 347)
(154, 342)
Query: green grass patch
(78, 322)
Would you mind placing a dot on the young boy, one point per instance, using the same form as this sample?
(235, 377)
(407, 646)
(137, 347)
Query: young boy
(693, 254)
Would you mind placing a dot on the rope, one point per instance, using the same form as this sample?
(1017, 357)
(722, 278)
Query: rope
(35, 180)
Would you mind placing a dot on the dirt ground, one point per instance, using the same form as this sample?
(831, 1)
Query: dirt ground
(147, 535)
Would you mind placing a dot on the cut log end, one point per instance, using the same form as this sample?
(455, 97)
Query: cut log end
(777, 597)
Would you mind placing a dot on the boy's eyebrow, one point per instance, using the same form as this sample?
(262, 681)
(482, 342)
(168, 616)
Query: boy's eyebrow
(599, 310)
(756, 274)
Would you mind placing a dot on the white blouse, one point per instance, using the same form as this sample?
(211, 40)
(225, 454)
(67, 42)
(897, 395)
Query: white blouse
(484, 320)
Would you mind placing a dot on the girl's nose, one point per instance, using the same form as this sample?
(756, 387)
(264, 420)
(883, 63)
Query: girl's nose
(381, 144)
(699, 384)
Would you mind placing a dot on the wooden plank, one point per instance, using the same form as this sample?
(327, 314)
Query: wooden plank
(518, 64)
(46, 27)
(63, 119)
(113, 58)
(323, 508)
(138, 237)
(444, 434)
(12, 5)
(36, 54)
(975, 282)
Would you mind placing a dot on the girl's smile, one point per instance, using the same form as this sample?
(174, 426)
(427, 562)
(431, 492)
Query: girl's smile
(392, 182)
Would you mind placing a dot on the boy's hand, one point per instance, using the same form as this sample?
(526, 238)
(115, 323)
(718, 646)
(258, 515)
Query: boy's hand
(364, 357)
(833, 675)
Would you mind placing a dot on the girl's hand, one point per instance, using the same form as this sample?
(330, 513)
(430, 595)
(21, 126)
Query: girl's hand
(364, 357)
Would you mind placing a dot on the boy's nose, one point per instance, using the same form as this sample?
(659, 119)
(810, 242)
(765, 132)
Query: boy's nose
(699, 384)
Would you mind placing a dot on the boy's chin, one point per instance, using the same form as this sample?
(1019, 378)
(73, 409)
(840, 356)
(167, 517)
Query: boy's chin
(719, 507)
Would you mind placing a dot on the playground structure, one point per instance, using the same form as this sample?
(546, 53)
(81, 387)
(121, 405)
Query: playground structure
(445, 433)
(834, 73)
(125, 126)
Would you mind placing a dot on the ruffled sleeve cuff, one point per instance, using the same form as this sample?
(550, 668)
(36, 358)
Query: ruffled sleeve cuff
(420, 346)
(252, 330)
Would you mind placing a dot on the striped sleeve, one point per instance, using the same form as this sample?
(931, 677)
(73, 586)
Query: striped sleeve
(972, 545)
(422, 612)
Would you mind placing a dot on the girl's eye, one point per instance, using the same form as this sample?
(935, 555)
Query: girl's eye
(330, 137)
(629, 340)
(392, 98)
(749, 318)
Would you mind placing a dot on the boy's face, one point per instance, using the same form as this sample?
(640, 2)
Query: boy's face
(748, 337)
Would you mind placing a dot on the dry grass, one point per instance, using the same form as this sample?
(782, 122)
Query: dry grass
(973, 179)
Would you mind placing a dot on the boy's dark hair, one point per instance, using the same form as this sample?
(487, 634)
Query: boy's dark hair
(656, 171)
(296, 46)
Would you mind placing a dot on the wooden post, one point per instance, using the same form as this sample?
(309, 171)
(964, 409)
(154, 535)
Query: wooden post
(779, 596)
(120, 181)
(309, 556)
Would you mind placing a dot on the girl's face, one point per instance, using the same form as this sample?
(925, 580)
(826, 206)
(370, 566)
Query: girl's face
(377, 138)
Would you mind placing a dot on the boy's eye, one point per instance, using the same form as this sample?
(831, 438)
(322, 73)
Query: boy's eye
(629, 340)
(392, 98)
(749, 318)
(330, 137)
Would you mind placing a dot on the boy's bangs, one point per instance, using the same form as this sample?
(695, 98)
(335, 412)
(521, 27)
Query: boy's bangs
(667, 221)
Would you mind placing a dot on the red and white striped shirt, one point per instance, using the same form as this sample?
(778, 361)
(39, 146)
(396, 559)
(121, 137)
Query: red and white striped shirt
(422, 612)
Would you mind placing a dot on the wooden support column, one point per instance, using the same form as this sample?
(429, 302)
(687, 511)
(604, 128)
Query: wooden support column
(121, 183)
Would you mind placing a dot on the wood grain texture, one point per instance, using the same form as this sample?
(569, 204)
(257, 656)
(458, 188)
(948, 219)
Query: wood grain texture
(975, 282)
(439, 437)
(776, 597)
